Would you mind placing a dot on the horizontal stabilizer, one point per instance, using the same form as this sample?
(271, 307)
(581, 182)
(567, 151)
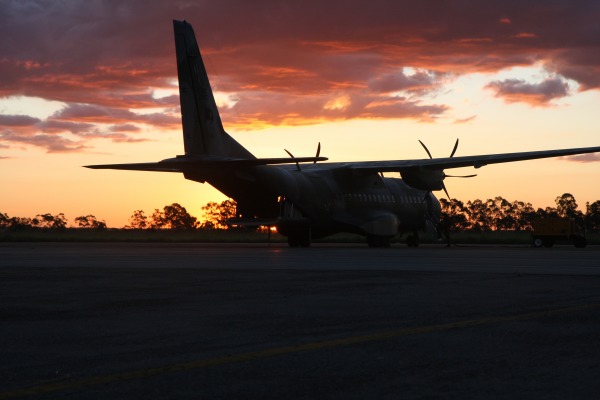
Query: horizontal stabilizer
(181, 164)
(155, 167)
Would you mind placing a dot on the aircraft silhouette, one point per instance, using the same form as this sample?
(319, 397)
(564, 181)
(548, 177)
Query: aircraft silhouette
(302, 196)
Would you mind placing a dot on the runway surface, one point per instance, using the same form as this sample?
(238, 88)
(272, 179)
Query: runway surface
(177, 321)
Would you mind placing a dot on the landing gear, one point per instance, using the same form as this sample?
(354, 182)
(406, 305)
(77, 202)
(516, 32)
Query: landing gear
(378, 241)
(579, 241)
(546, 242)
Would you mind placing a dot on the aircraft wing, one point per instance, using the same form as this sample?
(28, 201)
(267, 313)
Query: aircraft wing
(459, 162)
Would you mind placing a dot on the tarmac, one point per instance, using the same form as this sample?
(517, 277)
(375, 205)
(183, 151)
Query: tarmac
(247, 321)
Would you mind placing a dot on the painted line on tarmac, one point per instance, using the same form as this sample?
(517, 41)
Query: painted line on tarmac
(279, 351)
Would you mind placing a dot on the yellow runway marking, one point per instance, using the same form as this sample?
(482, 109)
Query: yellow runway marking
(278, 351)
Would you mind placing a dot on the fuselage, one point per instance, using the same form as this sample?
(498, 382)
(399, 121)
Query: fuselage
(325, 201)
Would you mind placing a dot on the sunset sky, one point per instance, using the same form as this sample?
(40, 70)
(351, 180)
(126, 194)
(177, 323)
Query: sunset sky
(95, 82)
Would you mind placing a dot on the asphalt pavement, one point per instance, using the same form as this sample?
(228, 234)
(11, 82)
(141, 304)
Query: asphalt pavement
(178, 321)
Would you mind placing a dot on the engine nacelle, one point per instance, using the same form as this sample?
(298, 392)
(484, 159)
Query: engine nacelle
(424, 179)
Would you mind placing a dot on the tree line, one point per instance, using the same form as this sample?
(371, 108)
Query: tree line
(500, 214)
(477, 215)
(173, 216)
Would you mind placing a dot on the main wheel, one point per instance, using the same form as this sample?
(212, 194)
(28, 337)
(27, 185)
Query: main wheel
(548, 242)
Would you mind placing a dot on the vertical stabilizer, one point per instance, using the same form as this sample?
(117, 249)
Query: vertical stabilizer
(203, 132)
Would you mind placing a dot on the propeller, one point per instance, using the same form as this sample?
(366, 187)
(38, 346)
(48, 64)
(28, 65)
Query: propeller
(448, 176)
(293, 158)
(297, 163)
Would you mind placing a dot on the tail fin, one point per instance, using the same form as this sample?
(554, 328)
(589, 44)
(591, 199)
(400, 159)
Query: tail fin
(203, 132)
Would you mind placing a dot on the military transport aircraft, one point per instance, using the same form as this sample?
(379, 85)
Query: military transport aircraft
(303, 197)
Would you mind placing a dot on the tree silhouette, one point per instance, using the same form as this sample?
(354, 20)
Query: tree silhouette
(454, 215)
(4, 220)
(478, 215)
(14, 223)
(90, 222)
(500, 214)
(592, 216)
(524, 214)
(138, 220)
(216, 215)
(567, 206)
(173, 216)
(50, 221)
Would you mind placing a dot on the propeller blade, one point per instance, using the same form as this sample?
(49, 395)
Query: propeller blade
(460, 176)
(454, 149)
(293, 158)
(426, 149)
(446, 191)
(318, 152)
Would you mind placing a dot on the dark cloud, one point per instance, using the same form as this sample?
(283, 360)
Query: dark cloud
(17, 120)
(536, 94)
(55, 126)
(104, 59)
(100, 114)
(420, 82)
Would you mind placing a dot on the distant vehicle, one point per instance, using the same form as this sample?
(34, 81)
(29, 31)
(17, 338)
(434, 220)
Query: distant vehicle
(302, 196)
(546, 231)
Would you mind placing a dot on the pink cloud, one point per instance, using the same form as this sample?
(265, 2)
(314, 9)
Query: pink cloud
(583, 158)
(465, 120)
